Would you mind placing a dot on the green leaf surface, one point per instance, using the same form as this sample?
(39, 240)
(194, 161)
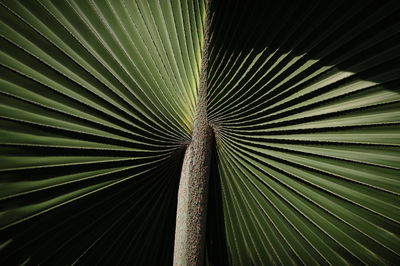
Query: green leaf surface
(97, 100)
(304, 97)
(97, 103)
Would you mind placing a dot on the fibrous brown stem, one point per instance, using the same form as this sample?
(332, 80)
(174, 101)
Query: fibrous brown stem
(193, 186)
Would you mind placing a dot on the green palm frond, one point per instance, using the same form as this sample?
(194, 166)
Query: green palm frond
(97, 99)
(97, 103)
(306, 99)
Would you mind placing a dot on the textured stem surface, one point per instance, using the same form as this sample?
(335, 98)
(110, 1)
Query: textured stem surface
(193, 186)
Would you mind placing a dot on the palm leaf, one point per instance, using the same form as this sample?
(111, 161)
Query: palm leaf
(306, 100)
(97, 104)
(97, 99)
